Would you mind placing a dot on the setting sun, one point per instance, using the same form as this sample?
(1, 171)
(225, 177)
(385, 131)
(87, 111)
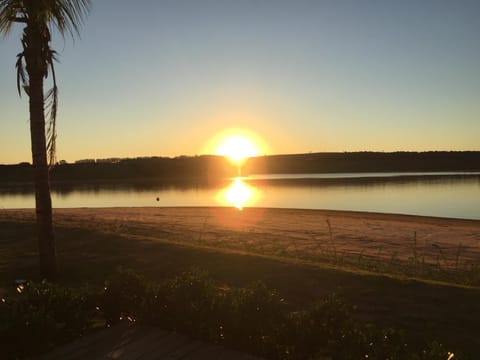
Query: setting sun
(236, 144)
(237, 148)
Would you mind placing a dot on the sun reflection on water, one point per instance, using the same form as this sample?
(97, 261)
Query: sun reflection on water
(238, 194)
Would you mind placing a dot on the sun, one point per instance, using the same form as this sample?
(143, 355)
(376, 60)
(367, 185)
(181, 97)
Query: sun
(236, 144)
(237, 148)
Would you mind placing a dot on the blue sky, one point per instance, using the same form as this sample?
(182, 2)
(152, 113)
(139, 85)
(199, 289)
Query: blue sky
(164, 77)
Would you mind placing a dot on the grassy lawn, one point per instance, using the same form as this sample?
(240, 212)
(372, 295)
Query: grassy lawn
(424, 309)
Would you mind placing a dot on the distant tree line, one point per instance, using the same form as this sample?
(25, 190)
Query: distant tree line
(209, 167)
(365, 162)
(178, 168)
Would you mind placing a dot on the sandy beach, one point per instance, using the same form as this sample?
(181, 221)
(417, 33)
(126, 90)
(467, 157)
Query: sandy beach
(304, 234)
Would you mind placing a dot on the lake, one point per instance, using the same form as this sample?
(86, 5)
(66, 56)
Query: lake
(446, 194)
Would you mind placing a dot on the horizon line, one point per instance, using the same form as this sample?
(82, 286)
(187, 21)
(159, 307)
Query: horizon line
(114, 158)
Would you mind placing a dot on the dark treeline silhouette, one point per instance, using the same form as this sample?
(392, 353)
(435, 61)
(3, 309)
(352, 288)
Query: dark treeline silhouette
(213, 168)
(183, 168)
(364, 162)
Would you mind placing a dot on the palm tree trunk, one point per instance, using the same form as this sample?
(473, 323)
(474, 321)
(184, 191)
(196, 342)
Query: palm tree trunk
(43, 202)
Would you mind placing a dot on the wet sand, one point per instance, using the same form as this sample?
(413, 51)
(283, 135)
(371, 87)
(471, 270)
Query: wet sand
(297, 233)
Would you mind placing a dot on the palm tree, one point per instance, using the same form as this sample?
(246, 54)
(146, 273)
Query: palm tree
(34, 63)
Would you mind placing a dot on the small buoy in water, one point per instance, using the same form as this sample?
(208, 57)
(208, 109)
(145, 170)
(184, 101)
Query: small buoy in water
(158, 199)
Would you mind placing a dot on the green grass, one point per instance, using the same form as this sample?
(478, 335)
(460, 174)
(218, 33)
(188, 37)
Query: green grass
(425, 310)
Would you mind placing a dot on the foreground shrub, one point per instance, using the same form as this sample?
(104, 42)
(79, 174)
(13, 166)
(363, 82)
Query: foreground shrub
(122, 296)
(254, 319)
(189, 303)
(435, 350)
(42, 315)
(325, 329)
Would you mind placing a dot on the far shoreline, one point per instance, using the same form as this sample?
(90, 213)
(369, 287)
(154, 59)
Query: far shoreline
(214, 167)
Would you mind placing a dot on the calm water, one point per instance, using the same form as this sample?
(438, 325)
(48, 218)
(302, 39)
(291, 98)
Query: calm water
(433, 194)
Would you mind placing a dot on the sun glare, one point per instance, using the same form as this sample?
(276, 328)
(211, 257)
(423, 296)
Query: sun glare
(238, 194)
(237, 148)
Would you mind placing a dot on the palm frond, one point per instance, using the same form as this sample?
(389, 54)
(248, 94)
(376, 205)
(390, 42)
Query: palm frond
(52, 106)
(21, 75)
(66, 15)
(9, 11)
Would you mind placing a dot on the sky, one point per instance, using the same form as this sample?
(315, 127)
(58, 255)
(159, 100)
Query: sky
(165, 77)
